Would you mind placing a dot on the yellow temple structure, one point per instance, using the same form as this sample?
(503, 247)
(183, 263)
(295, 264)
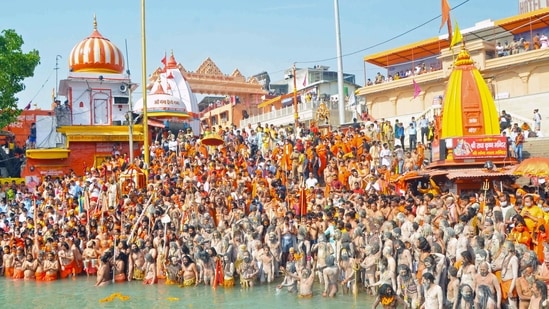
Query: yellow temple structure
(468, 150)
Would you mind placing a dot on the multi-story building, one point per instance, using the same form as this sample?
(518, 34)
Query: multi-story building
(512, 54)
(313, 86)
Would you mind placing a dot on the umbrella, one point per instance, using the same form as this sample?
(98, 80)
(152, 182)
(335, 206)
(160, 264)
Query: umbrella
(213, 140)
(533, 167)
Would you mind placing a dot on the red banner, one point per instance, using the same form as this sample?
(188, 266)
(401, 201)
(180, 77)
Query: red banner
(480, 147)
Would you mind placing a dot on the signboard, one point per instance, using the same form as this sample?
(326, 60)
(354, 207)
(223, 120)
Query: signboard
(480, 147)
(526, 6)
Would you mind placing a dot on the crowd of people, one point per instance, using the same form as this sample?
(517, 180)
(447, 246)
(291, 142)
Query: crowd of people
(520, 45)
(287, 207)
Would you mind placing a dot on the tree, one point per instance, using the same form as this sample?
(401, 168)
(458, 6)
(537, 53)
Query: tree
(15, 66)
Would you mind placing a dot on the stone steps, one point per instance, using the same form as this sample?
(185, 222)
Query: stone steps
(536, 147)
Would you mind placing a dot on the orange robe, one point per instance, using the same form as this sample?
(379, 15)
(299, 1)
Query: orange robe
(523, 237)
(286, 161)
(420, 154)
(335, 149)
(321, 152)
(203, 150)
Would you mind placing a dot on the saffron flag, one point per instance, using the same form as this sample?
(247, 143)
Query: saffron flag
(28, 106)
(457, 37)
(302, 201)
(163, 60)
(417, 90)
(446, 18)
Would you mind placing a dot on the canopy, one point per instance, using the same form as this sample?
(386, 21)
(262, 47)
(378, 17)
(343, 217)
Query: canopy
(526, 22)
(533, 167)
(408, 53)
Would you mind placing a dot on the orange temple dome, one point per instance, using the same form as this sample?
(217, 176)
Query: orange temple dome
(96, 54)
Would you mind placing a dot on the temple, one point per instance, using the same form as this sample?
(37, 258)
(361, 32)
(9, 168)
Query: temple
(88, 126)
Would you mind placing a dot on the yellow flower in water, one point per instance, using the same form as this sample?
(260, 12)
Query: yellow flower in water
(110, 298)
(173, 298)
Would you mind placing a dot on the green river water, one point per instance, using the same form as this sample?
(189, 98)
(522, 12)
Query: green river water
(81, 293)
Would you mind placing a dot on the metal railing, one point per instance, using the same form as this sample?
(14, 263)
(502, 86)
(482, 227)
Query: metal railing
(285, 111)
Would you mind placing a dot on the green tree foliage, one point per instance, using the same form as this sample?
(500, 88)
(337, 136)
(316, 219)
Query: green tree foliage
(15, 66)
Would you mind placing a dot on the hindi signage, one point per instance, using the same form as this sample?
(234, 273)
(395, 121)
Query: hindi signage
(480, 147)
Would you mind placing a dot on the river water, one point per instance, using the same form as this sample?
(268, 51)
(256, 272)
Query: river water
(81, 293)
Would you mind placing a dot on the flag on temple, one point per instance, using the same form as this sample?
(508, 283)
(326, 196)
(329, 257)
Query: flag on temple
(305, 81)
(163, 60)
(457, 37)
(28, 106)
(417, 90)
(446, 18)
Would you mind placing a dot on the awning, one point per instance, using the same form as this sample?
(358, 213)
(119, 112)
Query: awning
(526, 22)
(414, 51)
(478, 173)
(287, 102)
(155, 123)
(273, 100)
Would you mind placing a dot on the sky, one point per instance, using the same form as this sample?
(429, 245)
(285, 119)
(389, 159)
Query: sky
(251, 35)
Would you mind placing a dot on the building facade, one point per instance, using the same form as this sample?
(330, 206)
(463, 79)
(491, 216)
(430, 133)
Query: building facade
(413, 77)
(313, 86)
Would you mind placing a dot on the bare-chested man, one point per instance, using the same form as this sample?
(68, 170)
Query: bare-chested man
(267, 262)
(322, 250)
(104, 271)
(331, 275)
(228, 271)
(509, 273)
(248, 270)
(306, 280)
(120, 267)
(432, 293)
(29, 267)
(136, 268)
(173, 268)
(90, 256)
(150, 270)
(66, 259)
(9, 262)
(525, 285)
(485, 277)
(190, 273)
(369, 264)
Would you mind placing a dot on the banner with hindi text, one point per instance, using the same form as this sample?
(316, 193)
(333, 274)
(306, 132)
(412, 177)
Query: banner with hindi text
(480, 147)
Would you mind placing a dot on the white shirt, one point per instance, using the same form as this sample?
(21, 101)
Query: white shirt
(385, 155)
(172, 145)
(311, 182)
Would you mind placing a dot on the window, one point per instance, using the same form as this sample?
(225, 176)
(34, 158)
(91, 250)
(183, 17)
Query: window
(100, 111)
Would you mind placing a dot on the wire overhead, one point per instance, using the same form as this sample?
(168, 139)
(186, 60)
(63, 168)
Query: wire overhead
(385, 41)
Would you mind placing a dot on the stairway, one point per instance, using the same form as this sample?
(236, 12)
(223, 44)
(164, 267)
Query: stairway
(536, 147)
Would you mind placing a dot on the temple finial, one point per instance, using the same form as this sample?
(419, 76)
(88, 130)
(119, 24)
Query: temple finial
(94, 22)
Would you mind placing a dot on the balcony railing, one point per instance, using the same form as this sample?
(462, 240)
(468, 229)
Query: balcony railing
(306, 111)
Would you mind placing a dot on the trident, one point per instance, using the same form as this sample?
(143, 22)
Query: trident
(485, 187)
